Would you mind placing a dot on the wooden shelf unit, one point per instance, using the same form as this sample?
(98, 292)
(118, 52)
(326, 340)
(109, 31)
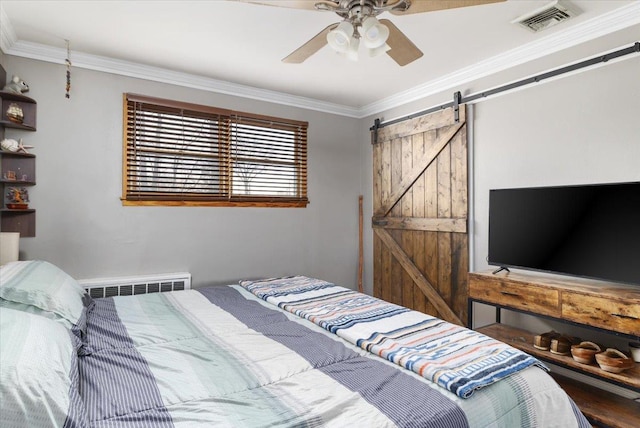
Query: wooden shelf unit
(523, 340)
(609, 307)
(22, 164)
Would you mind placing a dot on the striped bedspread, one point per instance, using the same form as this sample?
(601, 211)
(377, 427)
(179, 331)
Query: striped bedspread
(220, 356)
(456, 358)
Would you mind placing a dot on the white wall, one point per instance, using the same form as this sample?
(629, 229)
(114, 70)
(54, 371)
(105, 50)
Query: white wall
(83, 227)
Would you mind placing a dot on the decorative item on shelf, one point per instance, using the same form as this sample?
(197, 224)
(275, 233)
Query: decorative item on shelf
(68, 62)
(614, 361)
(585, 352)
(18, 198)
(16, 86)
(9, 175)
(562, 345)
(10, 145)
(543, 341)
(14, 113)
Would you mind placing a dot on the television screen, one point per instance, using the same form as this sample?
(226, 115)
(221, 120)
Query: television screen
(589, 231)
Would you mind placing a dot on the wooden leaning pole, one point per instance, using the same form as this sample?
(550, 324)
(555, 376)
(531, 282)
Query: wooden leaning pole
(360, 249)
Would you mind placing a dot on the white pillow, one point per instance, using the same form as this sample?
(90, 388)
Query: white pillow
(38, 373)
(43, 287)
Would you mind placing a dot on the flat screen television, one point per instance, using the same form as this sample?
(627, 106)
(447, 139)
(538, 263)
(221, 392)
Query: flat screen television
(590, 231)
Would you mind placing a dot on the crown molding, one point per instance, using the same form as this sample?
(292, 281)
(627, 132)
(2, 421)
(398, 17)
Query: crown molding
(7, 34)
(132, 69)
(615, 20)
(602, 25)
(10, 45)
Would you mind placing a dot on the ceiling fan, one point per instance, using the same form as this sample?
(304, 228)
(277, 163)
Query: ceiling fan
(360, 26)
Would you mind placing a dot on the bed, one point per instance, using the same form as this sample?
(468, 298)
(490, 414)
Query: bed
(282, 352)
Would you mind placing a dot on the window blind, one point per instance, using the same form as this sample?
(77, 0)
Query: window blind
(185, 154)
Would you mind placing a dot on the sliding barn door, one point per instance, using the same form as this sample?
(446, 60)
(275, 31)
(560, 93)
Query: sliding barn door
(421, 256)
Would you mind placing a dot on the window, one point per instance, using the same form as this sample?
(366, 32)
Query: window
(177, 153)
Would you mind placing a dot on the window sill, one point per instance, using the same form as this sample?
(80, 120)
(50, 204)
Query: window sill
(255, 204)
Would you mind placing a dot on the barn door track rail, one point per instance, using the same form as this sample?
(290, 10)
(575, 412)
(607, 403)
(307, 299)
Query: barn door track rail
(458, 99)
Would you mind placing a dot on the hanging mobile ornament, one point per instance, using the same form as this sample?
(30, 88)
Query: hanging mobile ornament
(68, 62)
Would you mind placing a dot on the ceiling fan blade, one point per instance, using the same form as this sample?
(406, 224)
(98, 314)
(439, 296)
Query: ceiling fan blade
(419, 6)
(294, 4)
(312, 46)
(403, 51)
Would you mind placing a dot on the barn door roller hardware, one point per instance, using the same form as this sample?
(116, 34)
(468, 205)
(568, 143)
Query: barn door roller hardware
(376, 125)
(457, 99)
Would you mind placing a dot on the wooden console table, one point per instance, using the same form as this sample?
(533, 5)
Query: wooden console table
(612, 308)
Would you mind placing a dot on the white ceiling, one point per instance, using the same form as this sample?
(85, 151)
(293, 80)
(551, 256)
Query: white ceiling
(236, 47)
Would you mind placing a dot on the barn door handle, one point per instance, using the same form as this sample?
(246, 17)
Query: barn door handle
(380, 222)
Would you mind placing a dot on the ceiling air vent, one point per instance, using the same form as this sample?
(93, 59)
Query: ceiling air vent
(547, 16)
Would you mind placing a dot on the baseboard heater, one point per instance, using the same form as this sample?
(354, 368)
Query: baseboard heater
(140, 284)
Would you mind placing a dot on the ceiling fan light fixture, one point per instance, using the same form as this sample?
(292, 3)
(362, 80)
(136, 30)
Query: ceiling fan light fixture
(341, 37)
(373, 52)
(373, 33)
(352, 53)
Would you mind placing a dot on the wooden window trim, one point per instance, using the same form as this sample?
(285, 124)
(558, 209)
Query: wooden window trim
(284, 152)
